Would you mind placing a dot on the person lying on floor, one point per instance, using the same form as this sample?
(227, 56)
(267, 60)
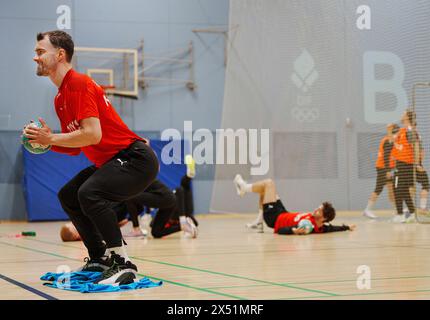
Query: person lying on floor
(281, 220)
(175, 212)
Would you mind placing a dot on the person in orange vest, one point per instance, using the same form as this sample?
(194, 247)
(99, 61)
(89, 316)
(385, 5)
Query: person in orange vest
(403, 153)
(384, 165)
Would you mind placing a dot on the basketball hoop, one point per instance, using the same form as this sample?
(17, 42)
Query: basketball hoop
(107, 88)
(110, 91)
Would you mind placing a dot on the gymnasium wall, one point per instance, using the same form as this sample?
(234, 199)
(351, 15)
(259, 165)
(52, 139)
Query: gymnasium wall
(164, 25)
(325, 76)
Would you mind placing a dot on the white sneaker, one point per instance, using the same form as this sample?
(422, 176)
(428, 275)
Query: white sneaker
(145, 222)
(138, 232)
(189, 227)
(256, 225)
(400, 218)
(369, 214)
(121, 272)
(411, 219)
(193, 226)
(239, 182)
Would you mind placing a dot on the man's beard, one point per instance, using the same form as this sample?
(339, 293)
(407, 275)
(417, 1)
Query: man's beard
(41, 71)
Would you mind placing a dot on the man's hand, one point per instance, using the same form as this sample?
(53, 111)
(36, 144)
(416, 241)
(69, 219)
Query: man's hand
(389, 175)
(352, 227)
(39, 135)
(299, 231)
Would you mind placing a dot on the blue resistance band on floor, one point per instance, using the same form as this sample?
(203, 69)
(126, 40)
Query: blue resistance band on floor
(84, 282)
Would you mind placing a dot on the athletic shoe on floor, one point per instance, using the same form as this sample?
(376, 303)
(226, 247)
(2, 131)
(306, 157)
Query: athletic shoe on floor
(369, 214)
(399, 218)
(145, 222)
(193, 226)
(411, 219)
(95, 265)
(196, 223)
(238, 183)
(187, 225)
(135, 233)
(121, 272)
(258, 226)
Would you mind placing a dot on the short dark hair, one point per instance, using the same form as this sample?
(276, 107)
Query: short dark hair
(395, 128)
(412, 117)
(59, 39)
(329, 213)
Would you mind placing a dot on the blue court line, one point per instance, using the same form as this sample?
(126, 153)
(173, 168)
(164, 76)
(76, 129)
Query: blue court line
(28, 288)
(212, 272)
(141, 275)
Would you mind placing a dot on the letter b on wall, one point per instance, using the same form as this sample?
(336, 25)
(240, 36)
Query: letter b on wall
(393, 86)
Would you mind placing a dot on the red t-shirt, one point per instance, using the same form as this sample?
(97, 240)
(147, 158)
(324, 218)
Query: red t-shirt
(79, 97)
(291, 219)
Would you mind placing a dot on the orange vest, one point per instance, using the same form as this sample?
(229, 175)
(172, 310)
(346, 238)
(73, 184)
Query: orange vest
(380, 160)
(403, 150)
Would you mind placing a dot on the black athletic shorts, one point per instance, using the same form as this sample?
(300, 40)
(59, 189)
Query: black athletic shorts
(403, 175)
(381, 180)
(423, 179)
(271, 211)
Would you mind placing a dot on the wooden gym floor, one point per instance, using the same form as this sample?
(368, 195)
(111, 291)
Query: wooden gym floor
(227, 261)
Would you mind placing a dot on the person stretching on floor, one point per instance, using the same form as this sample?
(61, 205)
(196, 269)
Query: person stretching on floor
(282, 221)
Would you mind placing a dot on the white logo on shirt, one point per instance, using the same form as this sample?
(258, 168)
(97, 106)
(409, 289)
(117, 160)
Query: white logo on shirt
(107, 101)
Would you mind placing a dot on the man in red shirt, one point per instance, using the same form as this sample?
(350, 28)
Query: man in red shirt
(124, 164)
(277, 217)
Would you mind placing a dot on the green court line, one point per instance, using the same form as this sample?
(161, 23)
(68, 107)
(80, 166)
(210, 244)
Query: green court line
(142, 275)
(250, 252)
(326, 295)
(320, 282)
(53, 243)
(236, 276)
(38, 251)
(220, 273)
(201, 289)
(264, 283)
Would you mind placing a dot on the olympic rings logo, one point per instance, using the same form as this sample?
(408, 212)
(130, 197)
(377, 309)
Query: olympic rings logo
(305, 114)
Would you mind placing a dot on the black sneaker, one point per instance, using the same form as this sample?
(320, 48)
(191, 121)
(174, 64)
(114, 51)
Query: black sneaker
(121, 272)
(95, 265)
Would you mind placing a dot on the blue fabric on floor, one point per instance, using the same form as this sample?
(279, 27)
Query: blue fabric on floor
(83, 282)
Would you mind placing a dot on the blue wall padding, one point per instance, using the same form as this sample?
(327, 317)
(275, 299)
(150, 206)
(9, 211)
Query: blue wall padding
(45, 174)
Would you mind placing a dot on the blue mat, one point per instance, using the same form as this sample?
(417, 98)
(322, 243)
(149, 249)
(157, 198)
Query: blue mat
(83, 282)
(45, 174)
